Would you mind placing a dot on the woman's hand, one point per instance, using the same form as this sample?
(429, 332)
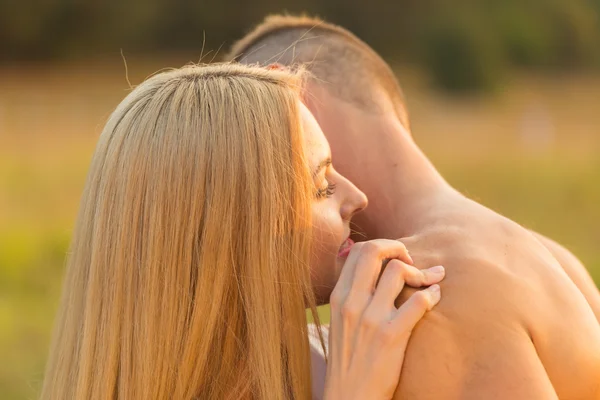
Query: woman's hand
(368, 334)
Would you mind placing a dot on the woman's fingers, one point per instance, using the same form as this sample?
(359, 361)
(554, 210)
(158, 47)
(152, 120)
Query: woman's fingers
(370, 259)
(424, 277)
(395, 275)
(362, 268)
(368, 334)
(390, 285)
(415, 307)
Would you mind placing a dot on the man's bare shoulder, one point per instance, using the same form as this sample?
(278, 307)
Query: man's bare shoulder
(482, 275)
(507, 325)
(575, 270)
(474, 335)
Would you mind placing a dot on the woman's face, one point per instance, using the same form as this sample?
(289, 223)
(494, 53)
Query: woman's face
(335, 201)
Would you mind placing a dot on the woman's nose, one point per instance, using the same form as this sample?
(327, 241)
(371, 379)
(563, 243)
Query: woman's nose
(362, 201)
(356, 202)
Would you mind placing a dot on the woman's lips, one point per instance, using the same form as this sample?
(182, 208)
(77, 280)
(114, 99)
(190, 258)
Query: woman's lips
(345, 248)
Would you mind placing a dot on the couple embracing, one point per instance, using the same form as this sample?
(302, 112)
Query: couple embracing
(219, 205)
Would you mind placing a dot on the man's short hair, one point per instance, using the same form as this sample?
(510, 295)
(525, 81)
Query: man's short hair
(336, 58)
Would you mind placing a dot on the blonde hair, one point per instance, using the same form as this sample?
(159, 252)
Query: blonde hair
(188, 271)
(348, 67)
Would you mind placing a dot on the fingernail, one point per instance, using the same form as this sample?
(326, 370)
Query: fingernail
(437, 270)
(409, 257)
(436, 295)
(434, 288)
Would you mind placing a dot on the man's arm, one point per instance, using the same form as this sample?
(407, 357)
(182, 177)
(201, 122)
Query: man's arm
(576, 271)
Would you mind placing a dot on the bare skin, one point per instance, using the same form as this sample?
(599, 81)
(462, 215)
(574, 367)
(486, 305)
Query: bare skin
(368, 333)
(576, 271)
(517, 319)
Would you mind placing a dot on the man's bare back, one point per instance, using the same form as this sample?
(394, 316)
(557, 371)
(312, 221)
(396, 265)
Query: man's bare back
(526, 334)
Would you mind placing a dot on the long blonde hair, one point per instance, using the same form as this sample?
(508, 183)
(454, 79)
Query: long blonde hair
(188, 270)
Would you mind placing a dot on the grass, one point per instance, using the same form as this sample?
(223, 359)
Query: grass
(530, 152)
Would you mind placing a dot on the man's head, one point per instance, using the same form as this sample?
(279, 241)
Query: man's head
(338, 61)
(355, 98)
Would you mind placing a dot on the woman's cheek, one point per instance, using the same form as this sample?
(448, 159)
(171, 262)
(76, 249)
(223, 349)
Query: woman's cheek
(328, 232)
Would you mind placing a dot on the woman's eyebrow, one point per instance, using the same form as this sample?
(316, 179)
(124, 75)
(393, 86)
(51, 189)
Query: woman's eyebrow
(323, 164)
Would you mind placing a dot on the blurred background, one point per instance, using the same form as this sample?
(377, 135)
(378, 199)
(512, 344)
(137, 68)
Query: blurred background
(504, 97)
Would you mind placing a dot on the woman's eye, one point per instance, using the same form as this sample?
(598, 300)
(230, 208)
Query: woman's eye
(327, 191)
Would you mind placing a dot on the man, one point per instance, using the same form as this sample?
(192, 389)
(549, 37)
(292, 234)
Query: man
(519, 318)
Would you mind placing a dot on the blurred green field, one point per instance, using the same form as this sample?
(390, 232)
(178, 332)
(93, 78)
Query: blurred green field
(530, 152)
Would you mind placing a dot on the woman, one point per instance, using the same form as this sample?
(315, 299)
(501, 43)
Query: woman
(211, 218)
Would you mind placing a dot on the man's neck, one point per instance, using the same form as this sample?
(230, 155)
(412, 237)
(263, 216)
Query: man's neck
(403, 187)
(413, 195)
